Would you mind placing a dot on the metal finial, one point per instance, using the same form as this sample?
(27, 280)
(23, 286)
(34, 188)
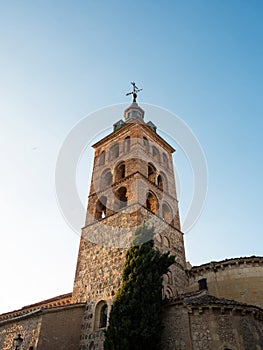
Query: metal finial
(134, 92)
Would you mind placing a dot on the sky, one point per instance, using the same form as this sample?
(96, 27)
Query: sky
(62, 60)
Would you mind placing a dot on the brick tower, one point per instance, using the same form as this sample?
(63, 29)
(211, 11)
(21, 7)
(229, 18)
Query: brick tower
(132, 183)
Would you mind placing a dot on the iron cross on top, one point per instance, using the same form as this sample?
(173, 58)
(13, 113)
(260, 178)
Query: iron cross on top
(134, 92)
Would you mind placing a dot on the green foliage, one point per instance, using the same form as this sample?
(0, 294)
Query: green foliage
(135, 318)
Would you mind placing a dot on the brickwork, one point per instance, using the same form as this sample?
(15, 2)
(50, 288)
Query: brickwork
(106, 179)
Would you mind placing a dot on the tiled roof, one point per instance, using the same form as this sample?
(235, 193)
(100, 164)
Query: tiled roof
(61, 300)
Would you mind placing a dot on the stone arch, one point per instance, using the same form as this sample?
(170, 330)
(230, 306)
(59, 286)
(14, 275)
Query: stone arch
(156, 154)
(100, 212)
(106, 179)
(152, 202)
(102, 157)
(145, 144)
(114, 151)
(101, 315)
(151, 172)
(166, 242)
(127, 144)
(121, 198)
(167, 213)
(120, 171)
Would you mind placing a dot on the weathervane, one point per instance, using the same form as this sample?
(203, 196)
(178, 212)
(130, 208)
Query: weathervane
(134, 92)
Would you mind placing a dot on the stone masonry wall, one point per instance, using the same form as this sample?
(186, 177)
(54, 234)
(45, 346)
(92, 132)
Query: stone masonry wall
(240, 279)
(210, 328)
(99, 268)
(29, 328)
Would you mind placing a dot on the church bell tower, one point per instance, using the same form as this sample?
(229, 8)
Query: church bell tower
(132, 184)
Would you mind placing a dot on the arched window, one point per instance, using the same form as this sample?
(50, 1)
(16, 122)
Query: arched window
(151, 173)
(127, 144)
(156, 155)
(102, 158)
(106, 179)
(160, 182)
(101, 208)
(120, 172)
(114, 151)
(103, 316)
(145, 144)
(121, 198)
(167, 213)
(151, 202)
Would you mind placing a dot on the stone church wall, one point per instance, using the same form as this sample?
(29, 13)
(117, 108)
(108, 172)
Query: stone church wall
(46, 329)
(29, 328)
(240, 279)
(210, 328)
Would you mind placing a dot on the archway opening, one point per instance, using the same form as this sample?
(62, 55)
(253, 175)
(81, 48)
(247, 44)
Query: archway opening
(121, 198)
(120, 172)
(151, 173)
(151, 202)
(100, 212)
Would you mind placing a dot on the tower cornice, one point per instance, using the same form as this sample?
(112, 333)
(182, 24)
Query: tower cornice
(136, 122)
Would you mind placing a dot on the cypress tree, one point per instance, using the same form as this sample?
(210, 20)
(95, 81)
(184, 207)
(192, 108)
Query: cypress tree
(135, 318)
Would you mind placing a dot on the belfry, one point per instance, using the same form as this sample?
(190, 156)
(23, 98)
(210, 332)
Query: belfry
(132, 183)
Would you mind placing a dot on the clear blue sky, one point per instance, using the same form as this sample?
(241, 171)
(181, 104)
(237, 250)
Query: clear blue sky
(61, 60)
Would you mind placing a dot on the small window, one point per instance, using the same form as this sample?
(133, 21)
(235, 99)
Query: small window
(103, 316)
(202, 284)
(127, 144)
(120, 172)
